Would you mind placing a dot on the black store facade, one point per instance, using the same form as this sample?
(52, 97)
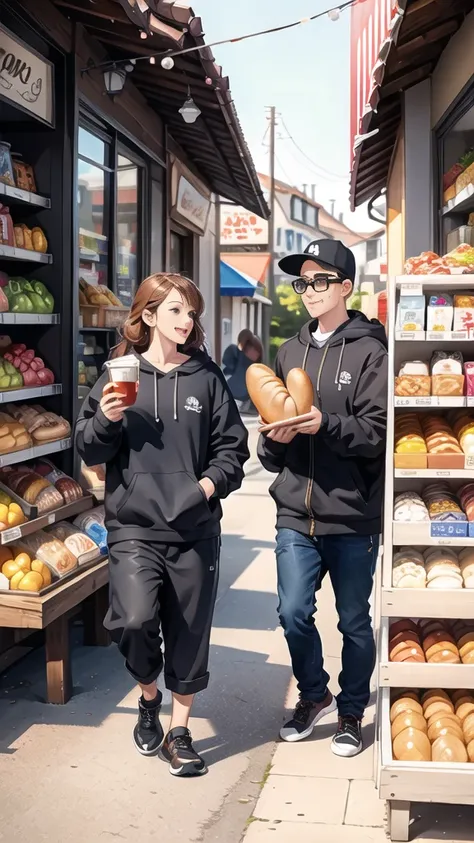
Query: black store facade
(124, 186)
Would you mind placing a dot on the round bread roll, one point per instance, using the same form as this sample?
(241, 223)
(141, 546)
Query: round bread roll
(437, 718)
(42, 569)
(16, 580)
(468, 727)
(434, 694)
(464, 709)
(32, 581)
(415, 580)
(408, 719)
(409, 654)
(408, 553)
(466, 699)
(442, 656)
(444, 726)
(404, 693)
(468, 638)
(458, 693)
(442, 569)
(273, 400)
(404, 704)
(446, 583)
(405, 638)
(466, 648)
(401, 625)
(412, 745)
(470, 750)
(437, 707)
(469, 580)
(468, 658)
(449, 748)
(439, 636)
(432, 626)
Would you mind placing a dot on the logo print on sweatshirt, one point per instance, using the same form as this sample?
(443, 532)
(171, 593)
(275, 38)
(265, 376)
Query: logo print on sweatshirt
(193, 405)
(345, 378)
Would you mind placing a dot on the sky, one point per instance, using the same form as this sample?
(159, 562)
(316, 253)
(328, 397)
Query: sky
(305, 73)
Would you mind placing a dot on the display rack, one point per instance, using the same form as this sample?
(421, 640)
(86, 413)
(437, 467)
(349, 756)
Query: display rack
(401, 783)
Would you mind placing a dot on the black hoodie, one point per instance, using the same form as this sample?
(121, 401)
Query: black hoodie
(332, 482)
(184, 426)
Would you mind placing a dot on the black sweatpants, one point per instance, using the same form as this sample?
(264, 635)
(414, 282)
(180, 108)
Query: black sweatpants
(169, 589)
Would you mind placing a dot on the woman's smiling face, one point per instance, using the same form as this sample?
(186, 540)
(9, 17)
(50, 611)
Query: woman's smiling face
(173, 319)
(317, 304)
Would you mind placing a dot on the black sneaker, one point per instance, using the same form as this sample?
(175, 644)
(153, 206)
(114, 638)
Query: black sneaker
(178, 751)
(348, 739)
(148, 733)
(305, 716)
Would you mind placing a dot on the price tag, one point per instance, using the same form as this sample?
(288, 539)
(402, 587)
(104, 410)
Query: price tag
(412, 289)
(470, 400)
(11, 535)
(469, 462)
(424, 402)
(52, 518)
(408, 472)
(402, 402)
(448, 530)
(407, 335)
(462, 335)
(445, 473)
(440, 336)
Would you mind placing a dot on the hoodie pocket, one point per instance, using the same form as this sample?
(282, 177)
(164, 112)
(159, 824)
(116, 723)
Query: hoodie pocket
(154, 501)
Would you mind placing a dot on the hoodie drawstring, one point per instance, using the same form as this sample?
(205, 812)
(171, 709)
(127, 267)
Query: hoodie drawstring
(305, 358)
(175, 397)
(339, 365)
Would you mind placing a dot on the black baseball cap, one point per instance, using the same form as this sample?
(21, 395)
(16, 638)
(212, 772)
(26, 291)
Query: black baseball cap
(330, 254)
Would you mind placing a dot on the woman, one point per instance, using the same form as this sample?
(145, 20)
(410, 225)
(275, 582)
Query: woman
(236, 360)
(170, 458)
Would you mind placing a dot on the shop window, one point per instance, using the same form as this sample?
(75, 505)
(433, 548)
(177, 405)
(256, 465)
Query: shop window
(297, 213)
(93, 202)
(128, 186)
(456, 148)
(373, 250)
(302, 211)
(177, 248)
(311, 216)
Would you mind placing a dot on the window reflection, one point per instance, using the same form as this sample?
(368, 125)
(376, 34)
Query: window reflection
(127, 229)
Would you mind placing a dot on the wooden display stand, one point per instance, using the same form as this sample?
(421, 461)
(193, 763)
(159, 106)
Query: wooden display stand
(51, 613)
(401, 783)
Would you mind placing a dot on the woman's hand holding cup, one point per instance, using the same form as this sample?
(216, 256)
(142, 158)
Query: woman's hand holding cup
(112, 402)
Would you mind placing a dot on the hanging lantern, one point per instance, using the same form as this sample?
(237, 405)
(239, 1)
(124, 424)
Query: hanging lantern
(114, 79)
(189, 110)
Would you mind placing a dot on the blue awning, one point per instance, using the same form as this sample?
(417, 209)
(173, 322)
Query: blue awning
(235, 283)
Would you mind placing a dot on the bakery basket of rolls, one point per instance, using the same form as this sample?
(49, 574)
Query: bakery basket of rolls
(39, 488)
(275, 402)
(42, 426)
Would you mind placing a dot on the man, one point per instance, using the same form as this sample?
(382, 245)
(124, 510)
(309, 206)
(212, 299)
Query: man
(329, 489)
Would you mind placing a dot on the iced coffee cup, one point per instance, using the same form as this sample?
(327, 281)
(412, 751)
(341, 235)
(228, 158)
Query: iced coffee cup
(124, 373)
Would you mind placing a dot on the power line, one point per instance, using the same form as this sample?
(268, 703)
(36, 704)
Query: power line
(303, 153)
(288, 179)
(317, 173)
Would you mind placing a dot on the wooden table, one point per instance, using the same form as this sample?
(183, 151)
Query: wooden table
(51, 613)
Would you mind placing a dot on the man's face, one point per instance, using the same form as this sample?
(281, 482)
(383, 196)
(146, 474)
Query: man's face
(319, 303)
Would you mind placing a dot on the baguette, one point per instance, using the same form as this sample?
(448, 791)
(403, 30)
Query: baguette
(272, 398)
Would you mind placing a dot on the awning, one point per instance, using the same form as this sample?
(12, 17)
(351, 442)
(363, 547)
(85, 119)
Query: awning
(254, 264)
(234, 283)
(409, 38)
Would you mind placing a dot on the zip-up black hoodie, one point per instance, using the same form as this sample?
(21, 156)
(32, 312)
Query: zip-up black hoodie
(184, 426)
(332, 482)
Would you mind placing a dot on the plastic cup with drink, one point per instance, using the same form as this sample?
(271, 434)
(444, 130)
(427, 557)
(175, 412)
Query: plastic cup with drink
(124, 373)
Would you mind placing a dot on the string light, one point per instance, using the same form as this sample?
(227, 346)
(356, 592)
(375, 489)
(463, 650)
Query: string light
(333, 13)
(152, 60)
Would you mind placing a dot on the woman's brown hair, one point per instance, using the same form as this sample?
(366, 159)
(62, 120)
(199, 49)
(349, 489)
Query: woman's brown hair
(151, 293)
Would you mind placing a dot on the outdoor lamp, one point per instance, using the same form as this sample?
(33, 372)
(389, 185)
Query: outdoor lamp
(114, 79)
(189, 110)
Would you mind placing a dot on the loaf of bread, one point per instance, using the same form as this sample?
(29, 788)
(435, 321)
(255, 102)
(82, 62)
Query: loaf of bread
(275, 401)
(41, 425)
(51, 551)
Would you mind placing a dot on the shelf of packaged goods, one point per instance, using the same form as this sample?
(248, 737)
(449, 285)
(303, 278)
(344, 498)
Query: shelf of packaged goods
(432, 473)
(417, 674)
(430, 533)
(428, 603)
(11, 253)
(457, 280)
(28, 393)
(35, 453)
(68, 511)
(445, 402)
(30, 318)
(420, 781)
(16, 196)
(462, 202)
(434, 336)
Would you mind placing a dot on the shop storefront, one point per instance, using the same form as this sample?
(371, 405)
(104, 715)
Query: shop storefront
(98, 188)
(413, 136)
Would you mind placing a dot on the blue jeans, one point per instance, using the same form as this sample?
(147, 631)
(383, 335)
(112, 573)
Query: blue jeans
(301, 564)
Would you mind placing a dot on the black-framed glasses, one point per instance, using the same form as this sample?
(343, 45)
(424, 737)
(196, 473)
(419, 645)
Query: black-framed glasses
(320, 283)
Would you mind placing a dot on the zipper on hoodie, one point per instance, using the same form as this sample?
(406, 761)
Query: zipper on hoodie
(309, 488)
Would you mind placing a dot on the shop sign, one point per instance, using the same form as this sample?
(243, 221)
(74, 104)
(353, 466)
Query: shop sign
(26, 78)
(192, 205)
(242, 228)
(370, 26)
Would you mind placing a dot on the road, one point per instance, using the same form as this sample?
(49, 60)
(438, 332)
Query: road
(71, 774)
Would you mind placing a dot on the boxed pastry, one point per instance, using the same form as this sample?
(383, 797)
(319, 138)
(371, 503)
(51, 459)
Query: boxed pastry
(410, 446)
(413, 379)
(469, 376)
(411, 313)
(463, 312)
(440, 313)
(447, 377)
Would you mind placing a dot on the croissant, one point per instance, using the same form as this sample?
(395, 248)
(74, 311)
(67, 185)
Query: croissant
(275, 401)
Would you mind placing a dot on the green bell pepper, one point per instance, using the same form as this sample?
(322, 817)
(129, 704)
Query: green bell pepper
(41, 290)
(21, 303)
(39, 304)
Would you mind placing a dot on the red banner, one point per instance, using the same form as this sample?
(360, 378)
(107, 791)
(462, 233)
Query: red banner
(370, 26)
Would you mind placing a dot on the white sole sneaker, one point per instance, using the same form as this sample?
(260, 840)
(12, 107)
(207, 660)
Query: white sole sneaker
(291, 736)
(345, 750)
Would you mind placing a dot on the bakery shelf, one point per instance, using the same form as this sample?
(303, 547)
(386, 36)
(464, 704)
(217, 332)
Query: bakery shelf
(434, 336)
(16, 196)
(437, 282)
(428, 603)
(462, 202)
(429, 533)
(67, 511)
(30, 319)
(446, 402)
(28, 393)
(36, 452)
(11, 253)
(433, 473)
(420, 781)
(418, 674)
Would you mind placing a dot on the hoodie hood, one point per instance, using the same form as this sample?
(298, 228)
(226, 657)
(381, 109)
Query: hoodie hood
(355, 328)
(198, 361)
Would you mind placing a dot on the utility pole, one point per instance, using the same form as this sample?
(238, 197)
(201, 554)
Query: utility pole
(271, 223)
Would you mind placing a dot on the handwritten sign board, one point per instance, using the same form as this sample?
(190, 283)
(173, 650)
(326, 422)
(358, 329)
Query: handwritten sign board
(242, 228)
(26, 78)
